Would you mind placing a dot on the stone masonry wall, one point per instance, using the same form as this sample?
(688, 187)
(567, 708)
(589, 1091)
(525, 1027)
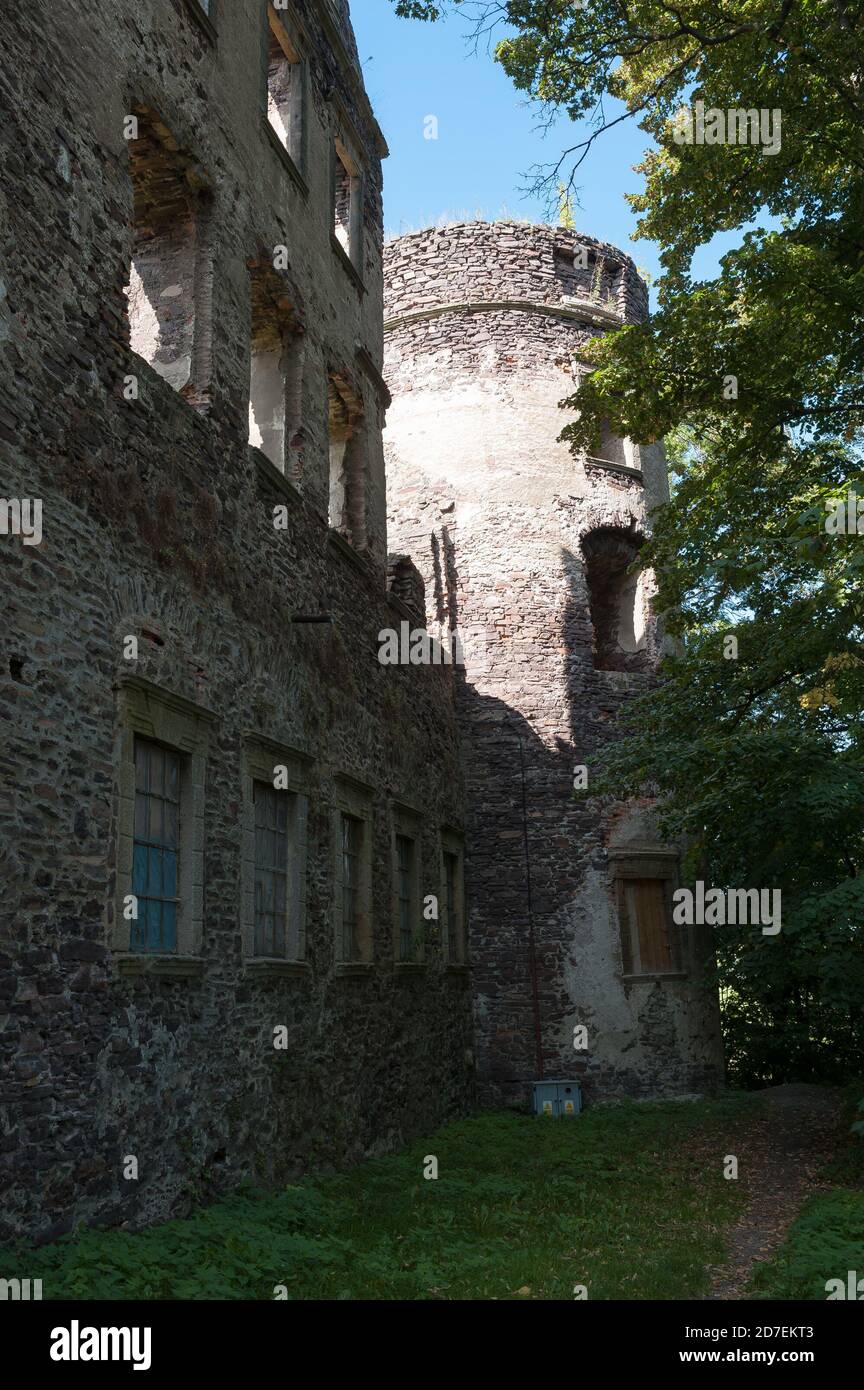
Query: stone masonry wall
(483, 333)
(158, 523)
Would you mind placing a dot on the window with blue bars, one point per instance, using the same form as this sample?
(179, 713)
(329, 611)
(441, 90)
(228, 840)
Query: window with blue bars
(451, 878)
(271, 869)
(156, 848)
(405, 895)
(352, 830)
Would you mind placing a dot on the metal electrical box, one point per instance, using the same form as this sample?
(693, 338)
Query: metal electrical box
(557, 1098)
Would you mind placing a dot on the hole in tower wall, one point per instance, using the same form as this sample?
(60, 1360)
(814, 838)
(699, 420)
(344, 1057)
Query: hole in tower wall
(616, 600)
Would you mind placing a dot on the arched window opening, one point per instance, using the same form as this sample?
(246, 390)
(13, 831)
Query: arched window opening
(617, 600)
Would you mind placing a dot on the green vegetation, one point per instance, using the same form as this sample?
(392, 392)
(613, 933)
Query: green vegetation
(825, 1242)
(629, 1201)
(757, 376)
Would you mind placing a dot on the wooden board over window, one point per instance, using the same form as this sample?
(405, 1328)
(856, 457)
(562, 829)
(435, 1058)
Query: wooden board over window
(651, 944)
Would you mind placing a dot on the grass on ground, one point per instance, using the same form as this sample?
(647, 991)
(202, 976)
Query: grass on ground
(629, 1201)
(826, 1240)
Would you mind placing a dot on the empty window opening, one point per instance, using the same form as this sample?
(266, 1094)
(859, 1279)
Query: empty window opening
(648, 942)
(617, 600)
(156, 848)
(275, 371)
(343, 206)
(167, 289)
(347, 462)
(285, 90)
(347, 202)
(611, 448)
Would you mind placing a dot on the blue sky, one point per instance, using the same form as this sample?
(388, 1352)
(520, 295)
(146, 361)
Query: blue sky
(488, 138)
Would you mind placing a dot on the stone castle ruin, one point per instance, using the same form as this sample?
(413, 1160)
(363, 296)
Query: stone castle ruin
(270, 904)
(529, 551)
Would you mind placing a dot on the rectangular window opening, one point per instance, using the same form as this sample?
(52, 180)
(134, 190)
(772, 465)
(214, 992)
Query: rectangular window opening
(169, 289)
(275, 372)
(352, 838)
(156, 848)
(285, 90)
(347, 491)
(342, 201)
(272, 809)
(648, 945)
(451, 881)
(405, 897)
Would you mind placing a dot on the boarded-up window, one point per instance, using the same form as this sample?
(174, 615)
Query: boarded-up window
(648, 944)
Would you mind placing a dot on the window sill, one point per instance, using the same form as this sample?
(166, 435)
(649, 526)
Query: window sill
(409, 967)
(271, 968)
(338, 542)
(273, 477)
(285, 157)
(624, 681)
(653, 976)
(347, 264)
(203, 20)
(607, 466)
(358, 969)
(459, 971)
(132, 964)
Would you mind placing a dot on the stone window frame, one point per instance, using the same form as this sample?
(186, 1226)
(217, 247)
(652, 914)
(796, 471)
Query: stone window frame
(205, 13)
(260, 756)
(273, 300)
(354, 798)
(344, 147)
(617, 601)
(628, 862)
(407, 822)
(149, 711)
(285, 28)
(631, 464)
(452, 841)
(353, 460)
(198, 193)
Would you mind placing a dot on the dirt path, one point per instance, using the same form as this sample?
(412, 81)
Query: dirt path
(781, 1160)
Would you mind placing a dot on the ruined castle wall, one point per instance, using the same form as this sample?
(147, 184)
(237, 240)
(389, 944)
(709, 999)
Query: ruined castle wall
(483, 335)
(158, 523)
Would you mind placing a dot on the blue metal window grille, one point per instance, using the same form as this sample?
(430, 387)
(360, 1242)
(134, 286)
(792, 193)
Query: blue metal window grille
(271, 869)
(404, 875)
(451, 870)
(351, 833)
(156, 848)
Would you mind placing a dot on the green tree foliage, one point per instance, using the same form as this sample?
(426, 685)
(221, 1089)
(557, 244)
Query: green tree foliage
(758, 378)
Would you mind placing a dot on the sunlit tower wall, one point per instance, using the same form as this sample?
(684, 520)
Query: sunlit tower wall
(527, 550)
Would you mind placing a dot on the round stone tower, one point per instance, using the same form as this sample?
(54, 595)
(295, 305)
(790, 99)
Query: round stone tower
(578, 969)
